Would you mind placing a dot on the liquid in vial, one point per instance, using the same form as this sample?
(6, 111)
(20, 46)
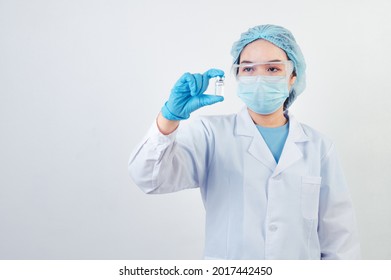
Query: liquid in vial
(219, 86)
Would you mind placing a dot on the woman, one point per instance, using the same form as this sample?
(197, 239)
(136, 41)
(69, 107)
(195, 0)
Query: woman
(272, 187)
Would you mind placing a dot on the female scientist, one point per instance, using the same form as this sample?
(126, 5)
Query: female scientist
(272, 187)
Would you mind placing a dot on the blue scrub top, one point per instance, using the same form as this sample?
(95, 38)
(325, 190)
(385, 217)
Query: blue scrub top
(275, 138)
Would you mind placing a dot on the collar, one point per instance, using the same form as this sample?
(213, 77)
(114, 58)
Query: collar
(245, 126)
(291, 153)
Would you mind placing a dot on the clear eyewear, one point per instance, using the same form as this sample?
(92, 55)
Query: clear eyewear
(268, 69)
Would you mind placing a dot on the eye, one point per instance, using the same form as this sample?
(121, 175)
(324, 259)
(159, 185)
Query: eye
(247, 69)
(273, 69)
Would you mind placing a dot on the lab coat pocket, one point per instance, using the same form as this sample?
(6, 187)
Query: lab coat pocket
(310, 188)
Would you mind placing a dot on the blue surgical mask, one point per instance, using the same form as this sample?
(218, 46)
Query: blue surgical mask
(263, 94)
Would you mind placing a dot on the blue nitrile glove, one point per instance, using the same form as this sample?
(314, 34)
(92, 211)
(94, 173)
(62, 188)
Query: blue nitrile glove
(188, 95)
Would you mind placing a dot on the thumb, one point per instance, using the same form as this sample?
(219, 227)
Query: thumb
(207, 99)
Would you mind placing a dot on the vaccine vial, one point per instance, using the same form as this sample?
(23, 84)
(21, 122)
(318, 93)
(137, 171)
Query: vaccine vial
(219, 86)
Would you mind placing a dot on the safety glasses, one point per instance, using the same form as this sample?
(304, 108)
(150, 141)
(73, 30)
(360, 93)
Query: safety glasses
(267, 68)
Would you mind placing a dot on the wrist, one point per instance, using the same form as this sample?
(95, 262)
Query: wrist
(166, 126)
(167, 113)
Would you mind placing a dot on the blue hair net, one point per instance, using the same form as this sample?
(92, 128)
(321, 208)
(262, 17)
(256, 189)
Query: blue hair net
(283, 39)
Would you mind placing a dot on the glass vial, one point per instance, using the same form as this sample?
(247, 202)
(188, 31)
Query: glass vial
(219, 86)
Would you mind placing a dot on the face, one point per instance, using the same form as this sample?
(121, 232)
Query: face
(263, 51)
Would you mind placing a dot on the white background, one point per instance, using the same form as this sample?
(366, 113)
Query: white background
(81, 81)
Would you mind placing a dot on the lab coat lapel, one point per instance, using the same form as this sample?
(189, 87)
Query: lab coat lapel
(291, 153)
(258, 148)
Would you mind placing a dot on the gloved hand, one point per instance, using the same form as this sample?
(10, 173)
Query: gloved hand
(187, 95)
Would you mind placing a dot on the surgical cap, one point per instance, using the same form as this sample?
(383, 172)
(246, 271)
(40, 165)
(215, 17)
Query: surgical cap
(283, 39)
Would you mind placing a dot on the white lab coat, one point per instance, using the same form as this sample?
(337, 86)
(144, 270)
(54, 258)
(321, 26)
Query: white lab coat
(299, 208)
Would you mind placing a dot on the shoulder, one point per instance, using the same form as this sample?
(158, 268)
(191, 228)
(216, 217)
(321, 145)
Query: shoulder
(315, 134)
(317, 139)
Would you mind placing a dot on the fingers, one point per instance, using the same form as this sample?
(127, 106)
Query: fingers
(197, 83)
(212, 73)
(198, 86)
(184, 80)
(189, 83)
(202, 81)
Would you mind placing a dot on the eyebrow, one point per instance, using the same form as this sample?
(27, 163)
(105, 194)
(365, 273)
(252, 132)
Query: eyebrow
(273, 60)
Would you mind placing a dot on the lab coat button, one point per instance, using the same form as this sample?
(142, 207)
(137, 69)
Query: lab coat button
(273, 228)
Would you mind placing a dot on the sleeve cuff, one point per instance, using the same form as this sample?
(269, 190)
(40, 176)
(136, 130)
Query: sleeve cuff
(156, 137)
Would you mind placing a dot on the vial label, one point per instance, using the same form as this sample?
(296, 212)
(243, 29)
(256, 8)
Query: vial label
(219, 86)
